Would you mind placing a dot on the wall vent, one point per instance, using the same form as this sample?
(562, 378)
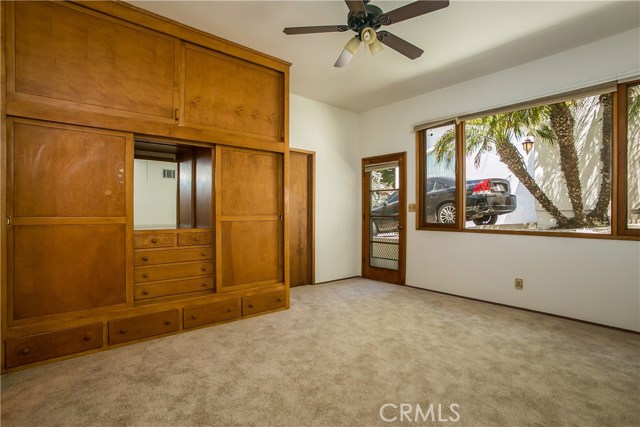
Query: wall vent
(169, 173)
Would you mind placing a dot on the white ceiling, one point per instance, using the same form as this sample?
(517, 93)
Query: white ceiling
(468, 39)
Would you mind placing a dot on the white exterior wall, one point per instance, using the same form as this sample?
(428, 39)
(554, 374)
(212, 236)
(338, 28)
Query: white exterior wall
(333, 134)
(592, 280)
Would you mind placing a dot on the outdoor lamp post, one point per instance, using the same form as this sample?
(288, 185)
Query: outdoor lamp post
(527, 144)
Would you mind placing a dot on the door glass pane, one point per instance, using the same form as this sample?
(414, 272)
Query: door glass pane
(633, 156)
(440, 186)
(384, 249)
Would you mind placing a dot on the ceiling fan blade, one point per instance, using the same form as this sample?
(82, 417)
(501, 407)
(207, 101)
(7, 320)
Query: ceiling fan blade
(356, 6)
(400, 45)
(316, 29)
(412, 10)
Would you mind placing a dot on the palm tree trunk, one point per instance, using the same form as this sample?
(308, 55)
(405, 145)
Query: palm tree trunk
(562, 122)
(509, 156)
(600, 212)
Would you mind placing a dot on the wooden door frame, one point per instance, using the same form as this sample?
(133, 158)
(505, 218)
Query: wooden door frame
(311, 159)
(376, 273)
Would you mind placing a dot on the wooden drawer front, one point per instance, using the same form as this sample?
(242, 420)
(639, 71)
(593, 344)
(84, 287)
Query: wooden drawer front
(192, 239)
(172, 271)
(173, 288)
(35, 348)
(262, 302)
(134, 328)
(211, 313)
(171, 255)
(141, 241)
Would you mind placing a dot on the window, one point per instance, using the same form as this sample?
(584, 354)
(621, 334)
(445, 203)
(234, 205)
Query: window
(629, 133)
(545, 168)
(439, 193)
(633, 156)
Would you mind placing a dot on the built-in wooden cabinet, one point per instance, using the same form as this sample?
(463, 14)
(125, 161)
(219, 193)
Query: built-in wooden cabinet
(250, 218)
(224, 92)
(68, 208)
(90, 86)
(74, 57)
(74, 64)
(186, 266)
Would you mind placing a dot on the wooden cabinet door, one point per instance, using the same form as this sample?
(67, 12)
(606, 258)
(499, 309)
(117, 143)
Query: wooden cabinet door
(68, 54)
(69, 201)
(231, 94)
(249, 191)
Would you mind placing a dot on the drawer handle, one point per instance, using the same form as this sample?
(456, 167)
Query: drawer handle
(145, 275)
(279, 299)
(25, 350)
(154, 241)
(145, 258)
(194, 316)
(204, 284)
(145, 292)
(123, 331)
(167, 322)
(250, 306)
(229, 310)
(86, 338)
(197, 238)
(204, 253)
(204, 269)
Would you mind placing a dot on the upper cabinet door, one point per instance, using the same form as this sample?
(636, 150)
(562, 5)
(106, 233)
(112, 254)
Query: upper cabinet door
(62, 52)
(232, 94)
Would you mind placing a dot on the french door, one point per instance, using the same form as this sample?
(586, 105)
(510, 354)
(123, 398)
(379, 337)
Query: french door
(384, 218)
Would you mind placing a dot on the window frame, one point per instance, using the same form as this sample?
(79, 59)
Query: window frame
(618, 229)
(421, 153)
(621, 168)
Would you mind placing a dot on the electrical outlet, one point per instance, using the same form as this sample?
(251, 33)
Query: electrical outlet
(519, 284)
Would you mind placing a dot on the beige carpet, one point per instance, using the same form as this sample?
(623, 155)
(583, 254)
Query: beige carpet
(343, 351)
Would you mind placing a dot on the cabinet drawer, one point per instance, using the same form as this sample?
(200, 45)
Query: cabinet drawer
(173, 288)
(148, 325)
(35, 348)
(171, 255)
(164, 240)
(172, 271)
(211, 313)
(263, 302)
(192, 239)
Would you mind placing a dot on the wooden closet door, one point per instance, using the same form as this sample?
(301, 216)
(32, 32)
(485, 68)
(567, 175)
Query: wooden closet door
(249, 191)
(301, 218)
(69, 204)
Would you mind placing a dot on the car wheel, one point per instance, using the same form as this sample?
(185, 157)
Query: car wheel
(447, 213)
(486, 220)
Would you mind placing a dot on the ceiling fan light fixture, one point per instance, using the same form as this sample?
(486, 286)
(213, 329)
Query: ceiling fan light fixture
(376, 47)
(353, 45)
(349, 51)
(344, 59)
(368, 35)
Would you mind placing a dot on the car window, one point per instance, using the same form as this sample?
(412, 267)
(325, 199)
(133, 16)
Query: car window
(438, 186)
(430, 184)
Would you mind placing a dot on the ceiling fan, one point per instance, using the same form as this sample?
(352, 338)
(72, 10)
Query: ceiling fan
(365, 19)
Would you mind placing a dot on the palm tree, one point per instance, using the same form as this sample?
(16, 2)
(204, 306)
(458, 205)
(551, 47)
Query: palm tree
(553, 124)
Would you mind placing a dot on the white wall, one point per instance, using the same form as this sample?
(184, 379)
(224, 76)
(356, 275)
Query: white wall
(593, 280)
(333, 134)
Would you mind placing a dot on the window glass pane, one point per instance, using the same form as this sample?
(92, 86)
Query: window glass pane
(440, 186)
(384, 238)
(545, 168)
(633, 157)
